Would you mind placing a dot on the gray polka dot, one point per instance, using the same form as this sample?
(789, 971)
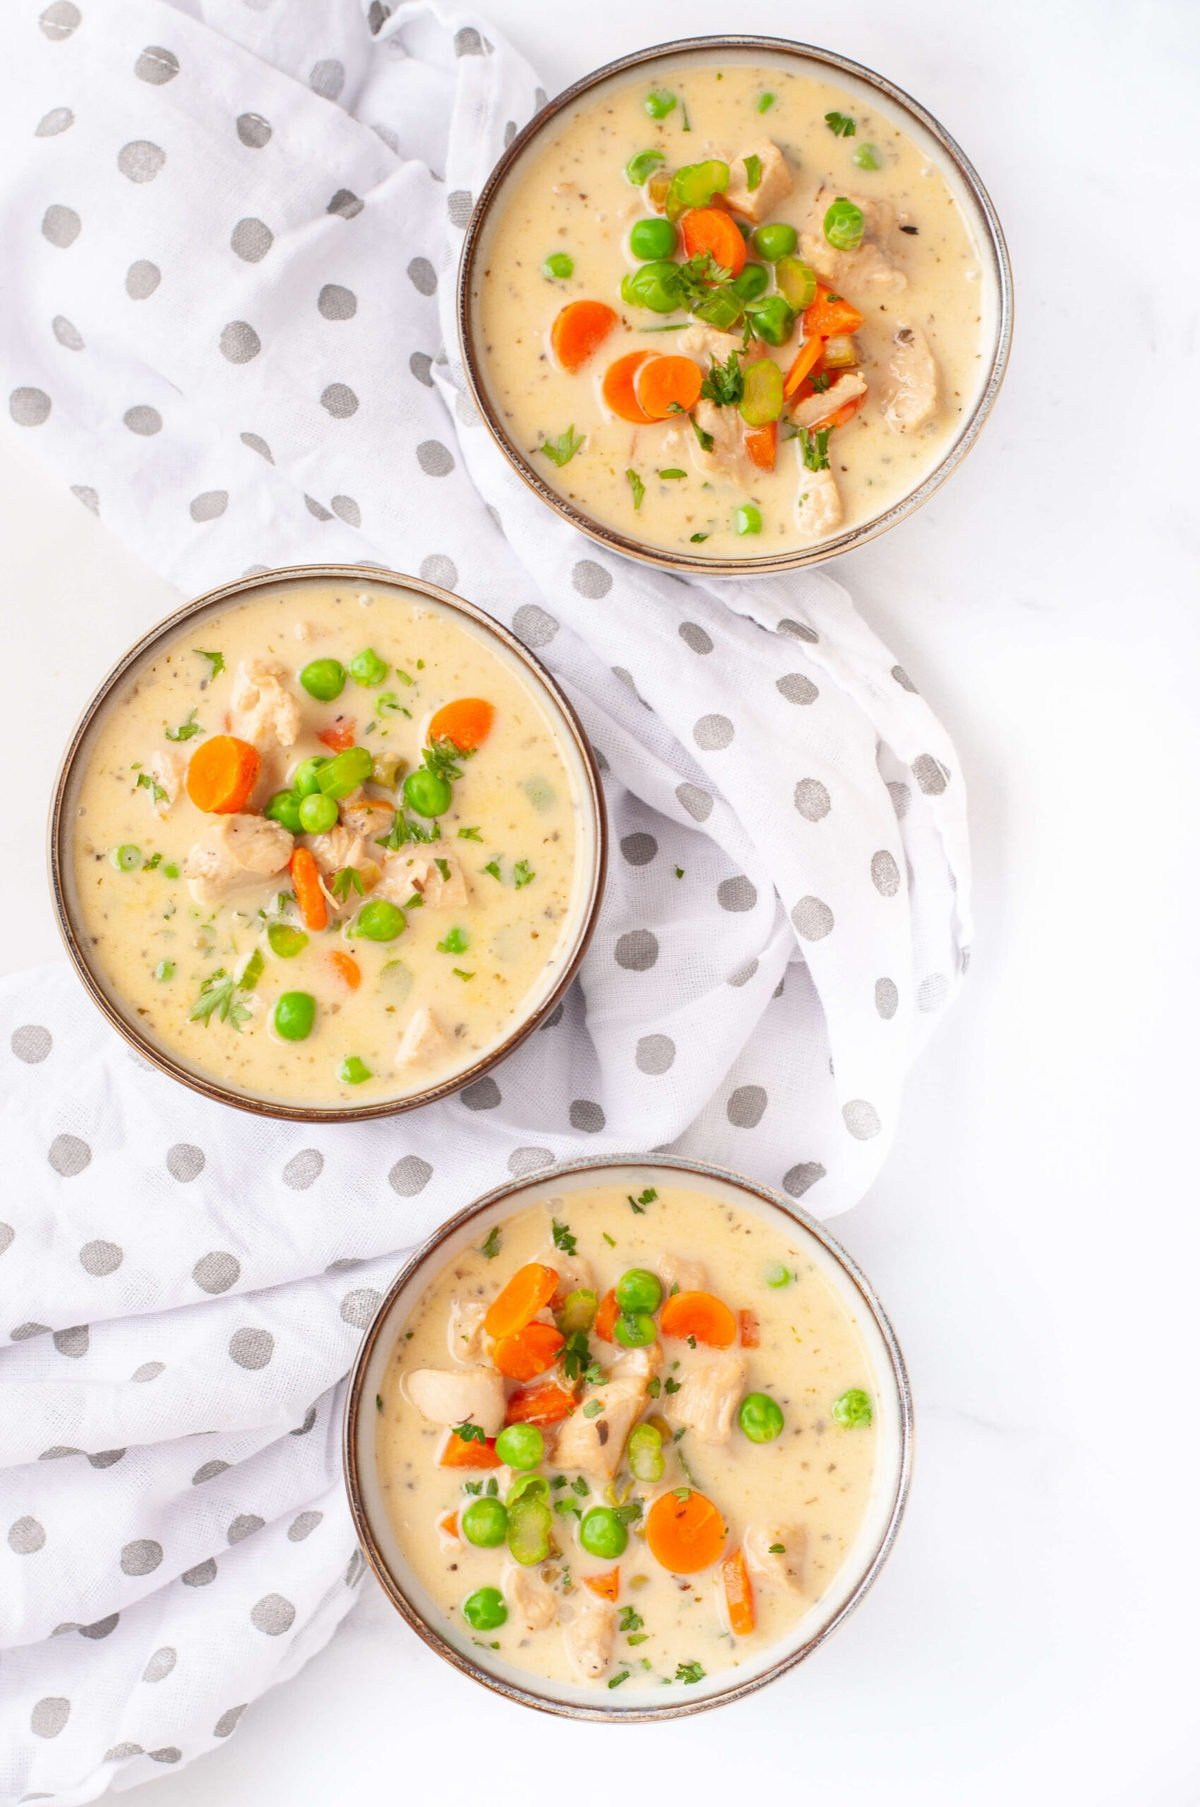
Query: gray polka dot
(87, 496)
(143, 420)
(901, 798)
(346, 203)
(655, 1053)
(29, 407)
(861, 1119)
(746, 1106)
(240, 342)
(253, 130)
(743, 975)
(141, 279)
(50, 1715)
(141, 1557)
(310, 1418)
(799, 630)
(697, 803)
(637, 950)
(106, 1458)
(932, 992)
(203, 1575)
(484, 1095)
(812, 919)
(314, 508)
(24, 1332)
(208, 1471)
(228, 1721)
(434, 458)
(251, 1347)
(140, 161)
(902, 678)
(377, 17)
(58, 119)
(798, 1179)
(639, 849)
(811, 799)
(885, 874)
(510, 132)
(359, 1307)
(410, 1175)
(529, 1160)
(31, 1043)
(587, 1116)
(26, 1536)
(736, 894)
(61, 226)
(553, 1020)
(148, 1371)
(346, 509)
(185, 1162)
(243, 1526)
(7, 1233)
(887, 998)
(273, 1615)
(303, 1526)
(327, 78)
(797, 688)
(122, 1750)
(73, 1342)
(60, 19)
(251, 240)
(257, 444)
(160, 1664)
(170, 1753)
(422, 275)
(354, 1569)
(438, 569)
(210, 506)
(100, 1258)
(304, 1169)
(336, 302)
(156, 65)
(217, 1272)
(460, 205)
(694, 636)
(102, 1628)
(421, 365)
(467, 42)
(591, 579)
(57, 1451)
(713, 733)
(66, 333)
(339, 400)
(930, 774)
(535, 625)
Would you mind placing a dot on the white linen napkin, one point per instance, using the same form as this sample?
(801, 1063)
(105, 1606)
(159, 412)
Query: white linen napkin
(232, 232)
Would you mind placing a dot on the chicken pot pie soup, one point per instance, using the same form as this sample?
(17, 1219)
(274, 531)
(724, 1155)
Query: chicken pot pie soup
(730, 305)
(328, 842)
(634, 1430)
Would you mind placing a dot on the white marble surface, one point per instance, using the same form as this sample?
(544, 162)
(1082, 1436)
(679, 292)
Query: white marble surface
(1034, 1234)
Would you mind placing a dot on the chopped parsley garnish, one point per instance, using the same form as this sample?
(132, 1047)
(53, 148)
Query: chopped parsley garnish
(614, 1681)
(560, 451)
(388, 703)
(580, 1486)
(466, 1432)
(673, 472)
(576, 1354)
(455, 942)
(442, 759)
(490, 1247)
(187, 730)
(342, 882)
(563, 1238)
(217, 999)
(472, 1486)
(523, 874)
(404, 829)
(566, 1506)
(814, 448)
(705, 439)
(165, 969)
(610, 1240)
(630, 1512)
(697, 537)
(639, 1637)
(841, 125)
(443, 867)
(724, 384)
(637, 486)
(215, 660)
(147, 783)
(460, 974)
(378, 1396)
(765, 102)
(469, 834)
(630, 1619)
(593, 1408)
(753, 172)
(638, 1204)
(679, 871)
(689, 1672)
(252, 971)
(820, 382)
(493, 866)
(776, 1549)
(653, 1387)
(670, 1386)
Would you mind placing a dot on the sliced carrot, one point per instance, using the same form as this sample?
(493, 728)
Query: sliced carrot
(606, 1317)
(761, 445)
(578, 330)
(805, 360)
(684, 1531)
(468, 1452)
(528, 1352)
(531, 1287)
(221, 774)
(306, 883)
(830, 315)
(448, 1526)
(739, 1595)
(712, 230)
(338, 738)
(346, 967)
(617, 387)
(748, 1329)
(608, 1585)
(701, 1315)
(841, 416)
(467, 722)
(663, 386)
(547, 1404)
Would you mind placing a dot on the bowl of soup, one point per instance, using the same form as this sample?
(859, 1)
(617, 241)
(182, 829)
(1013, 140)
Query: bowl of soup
(628, 1439)
(734, 304)
(327, 843)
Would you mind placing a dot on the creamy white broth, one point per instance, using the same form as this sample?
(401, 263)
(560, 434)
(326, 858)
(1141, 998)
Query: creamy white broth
(153, 946)
(570, 194)
(815, 1485)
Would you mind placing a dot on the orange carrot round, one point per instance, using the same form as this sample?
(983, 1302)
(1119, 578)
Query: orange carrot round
(222, 773)
(617, 387)
(761, 445)
(701, 1315)
(306, 883)
(805, 360)
(531, 1287)
(528, 1352)
(739, 1594)
(467, 722)
(346, 967)
(468, 1452)
(578, 329)
(547, 1404)
(339, 738)
(711, 229)
(830, 316)
(664, 385)
(608, 1585)
(607, 1313)
(684, 1531)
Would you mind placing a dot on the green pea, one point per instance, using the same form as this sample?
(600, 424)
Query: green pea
(771, 319)
(284, 808)
(760, 1418)
(286, 941)
(579, 1311)
(345, 772)
(304, 778)
(866, 157)
(642, 165)
(775, 240)
(380, 920)
(762, 392)
(635, 1330)
(844, 225)
(752, 282)
(295, 1012)
(528, 1486)
(601, 1532)
(427, 793)
(649, 239)
(367, 668)
(558, 266)
(695, 185)
(779, 1275)
(528, 1536)
(521, 1445)
(318, 813)
(645, 1453)
(324, 679)
(353, 1071)
(653, 285)
(796, 282)
(853, 1408)
(126, 858)
(748, 519)
(722, 309)
(484, 1610)
(659, 102)
(485, 1523)
(165, 969)
(639, 1290)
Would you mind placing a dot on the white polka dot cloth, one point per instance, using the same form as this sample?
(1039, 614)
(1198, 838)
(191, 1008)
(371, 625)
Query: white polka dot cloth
(231, 230)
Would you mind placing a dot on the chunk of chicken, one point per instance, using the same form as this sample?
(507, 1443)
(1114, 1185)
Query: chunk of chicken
(262, 710)
(710, 1389)
(367, 816)
(590, 1634)
(859, 275)
(781, 1566)
(681, 444)
(819, 502)
(818, 407)
(774, 183)
(595, 1445)
(233, 852)
(464, 1332)
(912, 394)
(340, 847)
(531, 1599)
(418, 869)
(166, 766)
(462, 1396)
(422, 1039)
(681, 1272)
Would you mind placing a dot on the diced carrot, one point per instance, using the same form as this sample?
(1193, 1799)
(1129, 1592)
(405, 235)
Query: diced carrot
(547, 1404)
(448, 1526)
(617, 387)
(608, 1585)
(829, 315)
(468, 1452)
(221, 774)
(805, 360)
(528, 1352)
(739, 1595)
(711, 229)
(748, 1329)
(701, 1315)
(346, 967)
(467, 722)
(761, 445)
(338, 738)
(578, 330)
(663, 386)
(684, 1531)
(531, 1287)
(306, 883)
(607, 1313)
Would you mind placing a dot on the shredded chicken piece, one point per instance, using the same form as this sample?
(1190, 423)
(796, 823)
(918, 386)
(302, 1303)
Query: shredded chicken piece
(423, 1038)
(816, 408)
(464, 1332)
(262, 710)
(774, 183)
(863, 274)
(682, 1273)
(595, 1445)
(233, 852)
(590, 1634)
(531, 1599)
(340, 847)
(417, 869)
(367, 816)
(818, 502)
(167, 766)
(783, 1566)
(462, 1396)
(912, 395)
(710, 1389)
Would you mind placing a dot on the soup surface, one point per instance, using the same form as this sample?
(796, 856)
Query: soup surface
(628, 1440)
(729, 310)
(328, 844)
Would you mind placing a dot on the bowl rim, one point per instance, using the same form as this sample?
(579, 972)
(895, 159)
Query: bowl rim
(995, 253)
(60, 827)
(531, 1696)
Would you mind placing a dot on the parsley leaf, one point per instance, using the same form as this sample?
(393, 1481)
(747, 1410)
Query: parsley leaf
(523, 874)
(147, 783)
(630, 1619)
(187, 730)
(563, 1238)
(404, 829)
(840, 124)
(443, 867)
(674, 472)
(614, 1681)
(442, 759)
(575, 1354)
(469, 834)
(689, 1672)
(388, 703)
(560, 451)
(469, 1433)
(342, 882)
(460, 974)
(217, 999)
(215, 660)
(753, 172)
(454, 942)
(493, 866)
(820, 382)
(697, 537)
(644, 1198)
(775, 1549)
(723, 384)
(814, 448)
(637, 486)
(706, 441)
(491, 1244)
